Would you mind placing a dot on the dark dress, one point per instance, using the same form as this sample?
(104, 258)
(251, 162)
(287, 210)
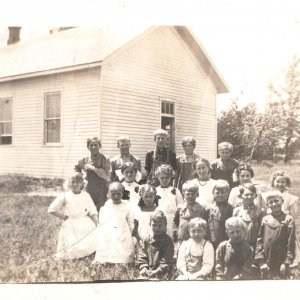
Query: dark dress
(97, 186)
(185, 169)
(217, 216)
(182, 217)
(223, 169)
(118, 161)
(252, 217)
(156, 158)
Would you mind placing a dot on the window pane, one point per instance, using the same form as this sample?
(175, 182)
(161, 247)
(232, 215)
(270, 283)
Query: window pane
(167, 107)
(52, 103)
(6, 128)
(171, 108)
(6, 140)
(52, 134)
(163, 107)
(5, 110)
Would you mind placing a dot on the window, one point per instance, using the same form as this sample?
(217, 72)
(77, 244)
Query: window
(167, 108)
(5, 121)
(52, 118)
(168, 121)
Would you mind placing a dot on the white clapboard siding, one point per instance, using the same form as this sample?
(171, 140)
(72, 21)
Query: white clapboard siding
(80, 119)
(134, 80)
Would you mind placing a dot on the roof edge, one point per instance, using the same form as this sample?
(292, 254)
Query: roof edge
(203, 58)
(51, 71)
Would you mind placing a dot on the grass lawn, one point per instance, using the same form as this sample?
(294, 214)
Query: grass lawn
(29, 235)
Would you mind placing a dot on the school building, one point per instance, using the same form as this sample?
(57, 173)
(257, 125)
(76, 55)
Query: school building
(58, 90)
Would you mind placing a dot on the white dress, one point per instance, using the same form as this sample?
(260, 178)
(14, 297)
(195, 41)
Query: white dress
(143, 218)
(77, 236)
(114, 240)
(206, 197)
(134, 196)
(168, 204)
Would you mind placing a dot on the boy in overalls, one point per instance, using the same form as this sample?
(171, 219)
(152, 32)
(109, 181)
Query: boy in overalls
(196, 256)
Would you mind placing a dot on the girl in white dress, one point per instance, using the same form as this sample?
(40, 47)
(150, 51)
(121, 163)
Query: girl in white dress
(204, 182)
(129, 171)
(114, 242)
(170, 196)
(77, 236)
(148, 204)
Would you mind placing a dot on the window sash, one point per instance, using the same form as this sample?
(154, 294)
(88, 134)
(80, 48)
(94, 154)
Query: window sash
(52, 118)
(6, 121)
(167, 108)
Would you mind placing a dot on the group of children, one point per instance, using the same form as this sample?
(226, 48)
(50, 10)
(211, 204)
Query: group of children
(222, 225)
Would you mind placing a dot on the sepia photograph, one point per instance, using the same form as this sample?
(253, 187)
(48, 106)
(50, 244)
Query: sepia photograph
(150, 142)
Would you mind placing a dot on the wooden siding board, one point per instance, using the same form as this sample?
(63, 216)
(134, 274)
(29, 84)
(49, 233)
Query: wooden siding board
(80, 116)
(159, 67)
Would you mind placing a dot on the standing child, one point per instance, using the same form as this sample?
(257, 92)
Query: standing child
(196, 255)
(156, 257)
(160, 155)
(125, 156)
(250, 214)
(129, 172)
(219, 212)
(205, 183)
(115, 243)
(185, 162)
(148, 203)
(97, 169)
(234, 257)
(186, 211)
(281, 181)
(170, 196)
(245, 174)
(77, 236)
(223, 167)
(275, 248)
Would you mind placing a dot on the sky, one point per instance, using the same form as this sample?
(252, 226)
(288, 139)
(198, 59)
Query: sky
(250, 42)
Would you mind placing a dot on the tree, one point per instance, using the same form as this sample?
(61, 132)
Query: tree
(284, 109)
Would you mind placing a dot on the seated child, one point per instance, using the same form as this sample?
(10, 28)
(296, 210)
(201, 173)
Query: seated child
(77, 236)
(129, 172)
(114, 242)
(275, 248)
(250, 214)
(148, 204)
(170, 197)
(160, 155)
(223, 167)
(196, 256)
(245, 174)
(205, 183)
(185, 162)
(234, 257)
(186, 211)
(156, 256)
(218, 213)
(125, 156)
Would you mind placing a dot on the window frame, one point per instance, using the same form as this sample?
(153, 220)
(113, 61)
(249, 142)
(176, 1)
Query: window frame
(11, 121)
(45, 142)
